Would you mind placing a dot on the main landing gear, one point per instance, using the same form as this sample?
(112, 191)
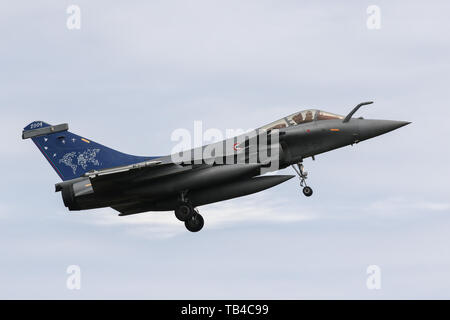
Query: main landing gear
(186, 213)
(303, 175)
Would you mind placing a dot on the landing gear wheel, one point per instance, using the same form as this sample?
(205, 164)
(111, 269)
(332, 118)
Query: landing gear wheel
(195, 223)
(307, 191)
(184, 212)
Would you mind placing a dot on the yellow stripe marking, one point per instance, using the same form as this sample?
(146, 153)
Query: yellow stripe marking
(334, 129)
(87, 141)
(88, 185)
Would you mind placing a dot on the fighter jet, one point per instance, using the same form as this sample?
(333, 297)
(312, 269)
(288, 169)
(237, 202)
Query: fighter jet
(95, 176)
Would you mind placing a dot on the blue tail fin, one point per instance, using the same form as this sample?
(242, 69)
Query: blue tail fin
(72, 155)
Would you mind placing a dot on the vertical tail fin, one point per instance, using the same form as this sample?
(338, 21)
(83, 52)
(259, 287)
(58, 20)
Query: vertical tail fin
(71, 155)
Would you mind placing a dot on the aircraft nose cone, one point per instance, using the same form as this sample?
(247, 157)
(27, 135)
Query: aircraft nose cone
(372, 128)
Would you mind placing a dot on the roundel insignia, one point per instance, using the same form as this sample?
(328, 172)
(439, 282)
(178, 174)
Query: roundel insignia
(236, 147)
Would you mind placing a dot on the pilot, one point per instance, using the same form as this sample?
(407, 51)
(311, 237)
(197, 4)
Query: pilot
(298, 118)
(309, 116)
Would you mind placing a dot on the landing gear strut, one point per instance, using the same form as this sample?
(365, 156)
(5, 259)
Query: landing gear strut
(303, 175)
(186, 213)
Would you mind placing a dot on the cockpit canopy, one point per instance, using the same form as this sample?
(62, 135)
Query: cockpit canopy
(302, 117)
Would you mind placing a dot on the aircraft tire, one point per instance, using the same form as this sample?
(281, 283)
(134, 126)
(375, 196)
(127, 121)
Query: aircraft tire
(195, 223)
(307, 191)
(184, 212)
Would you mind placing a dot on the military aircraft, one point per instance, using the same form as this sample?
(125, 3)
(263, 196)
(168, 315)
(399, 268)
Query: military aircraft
(95, 176)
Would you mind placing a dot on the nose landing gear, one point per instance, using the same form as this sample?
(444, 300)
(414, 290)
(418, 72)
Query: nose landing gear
(186, 213)
(303, 175)
(307, 191)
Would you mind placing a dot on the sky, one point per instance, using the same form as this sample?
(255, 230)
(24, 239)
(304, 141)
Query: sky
(136, 71)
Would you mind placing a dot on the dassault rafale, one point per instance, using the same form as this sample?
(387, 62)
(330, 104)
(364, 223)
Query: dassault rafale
(95, 176)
